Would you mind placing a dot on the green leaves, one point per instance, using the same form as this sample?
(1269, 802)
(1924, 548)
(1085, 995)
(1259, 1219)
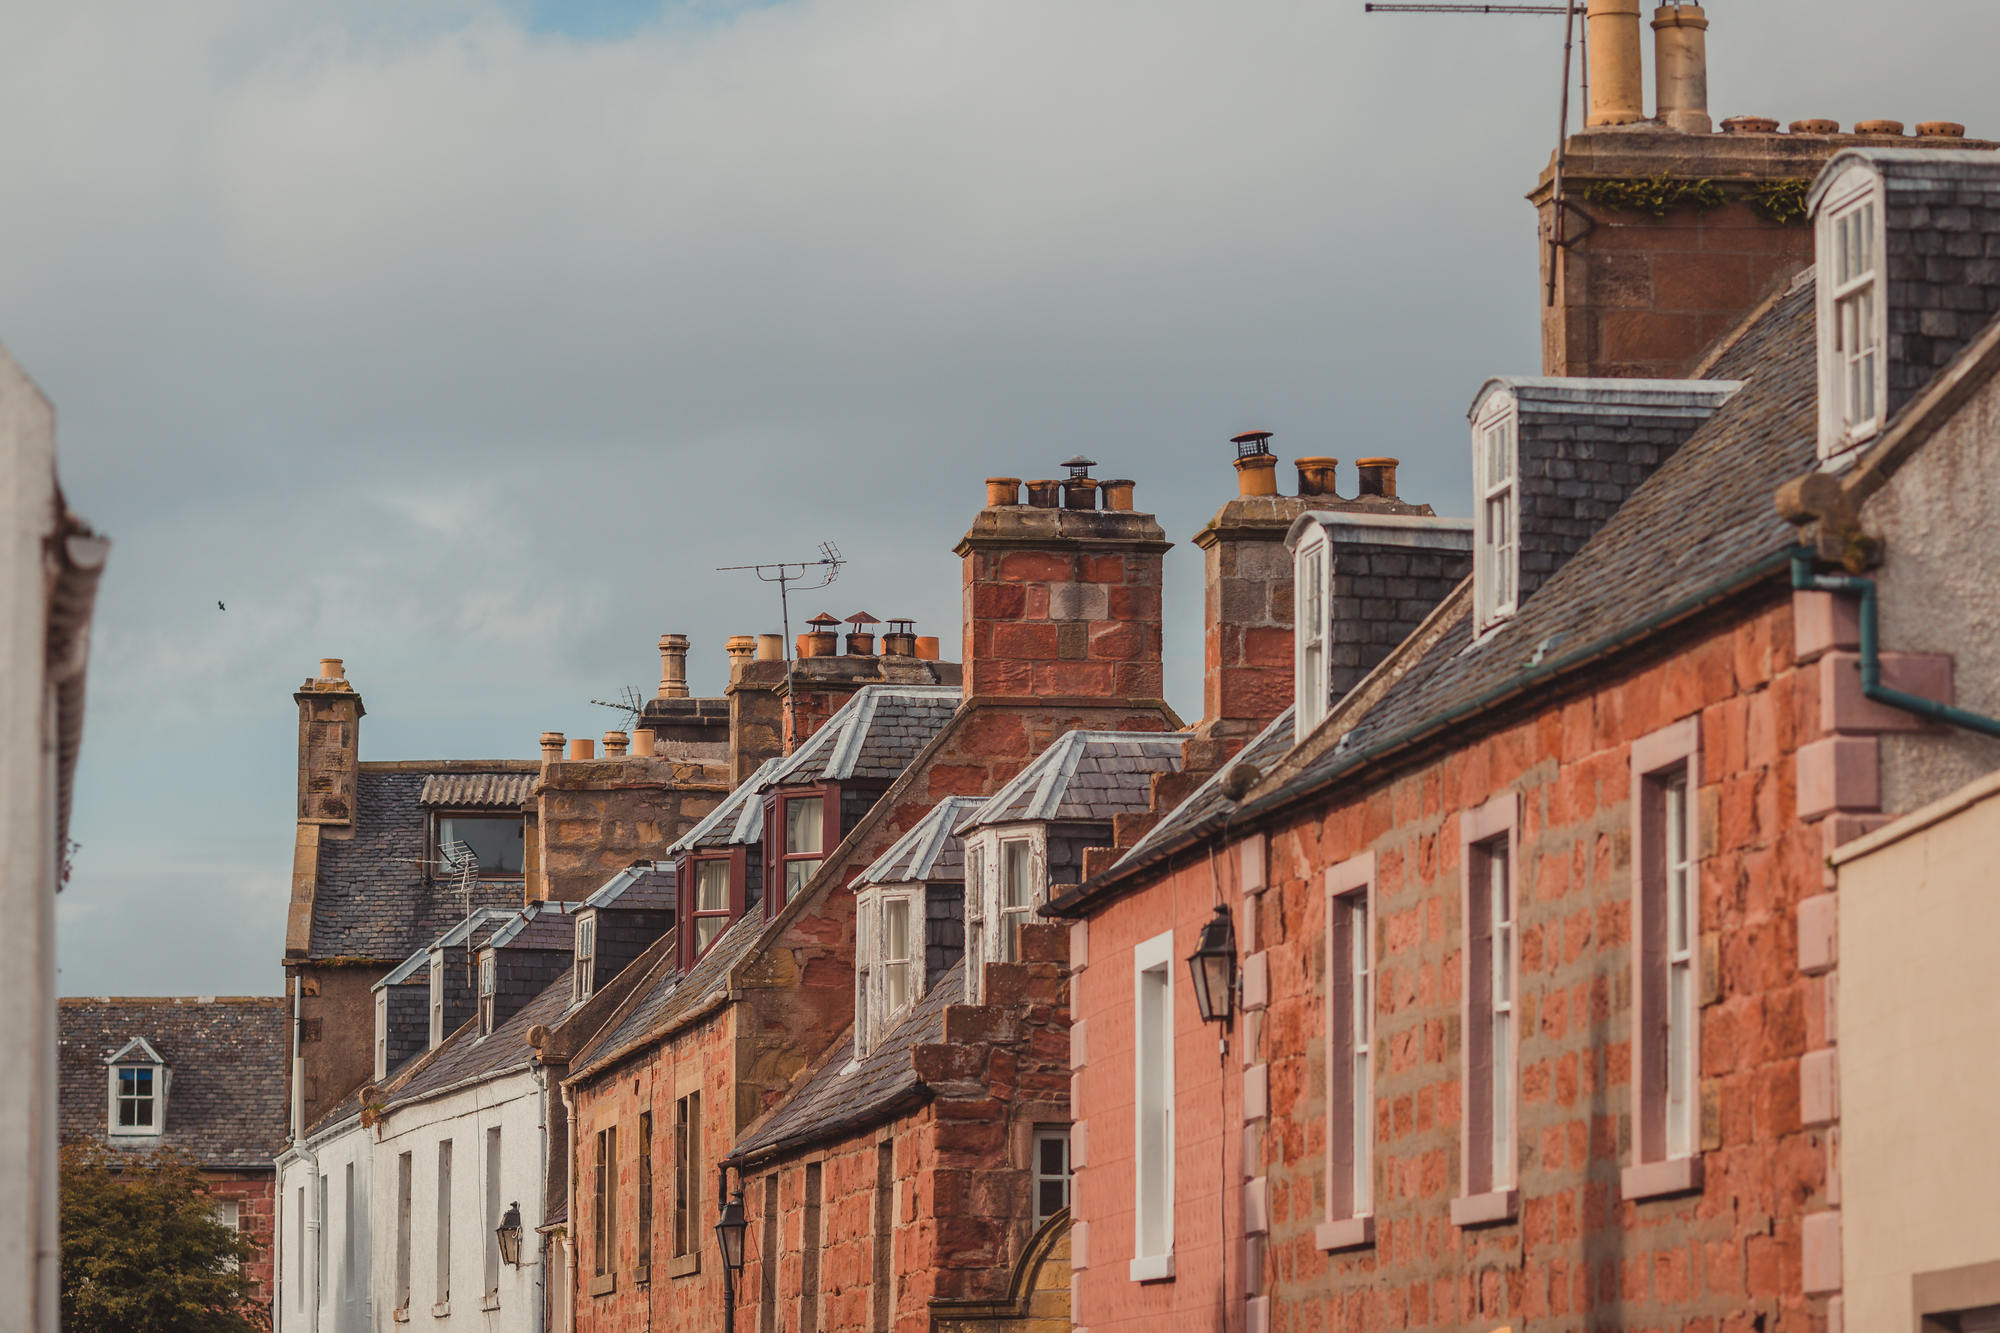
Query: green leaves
(142, 1251)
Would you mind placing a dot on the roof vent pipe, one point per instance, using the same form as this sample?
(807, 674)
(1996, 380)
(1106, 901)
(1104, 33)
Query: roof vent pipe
(1617, 87)
(1680, 67)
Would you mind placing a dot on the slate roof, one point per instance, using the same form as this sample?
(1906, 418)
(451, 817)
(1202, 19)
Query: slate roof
(1208, 800)
(478, 791)
(372, 899)
(475, 930)
(467, 1055)
(873, 736)
(668, 994)
(930, 851)
(546, 925)
(1085, 776)
(738, 821)
(647, 885)
(837, 1098)
(227, 1059)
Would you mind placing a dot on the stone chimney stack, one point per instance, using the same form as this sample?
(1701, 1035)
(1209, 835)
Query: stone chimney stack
(1062, 597)
(330, 714)
(673, 666)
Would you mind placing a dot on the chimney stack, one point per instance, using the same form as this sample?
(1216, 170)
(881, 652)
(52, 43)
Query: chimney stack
(1617, 86)
(1680, 67)
(673, 666)
(330, 714)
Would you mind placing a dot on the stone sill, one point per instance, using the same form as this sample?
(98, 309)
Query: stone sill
(1345, 1233)
(1479, 1210)
(1153, 1268)
(402, 1314)
(442, 1310)
(491, 1302)
(1657, 1180)
(684, 1265)
(603, 1284)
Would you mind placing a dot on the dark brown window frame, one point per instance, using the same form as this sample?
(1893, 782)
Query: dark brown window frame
(775, 856)
(738, 857)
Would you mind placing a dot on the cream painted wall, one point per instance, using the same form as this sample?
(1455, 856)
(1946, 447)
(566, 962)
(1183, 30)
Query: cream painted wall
(1919, 1043)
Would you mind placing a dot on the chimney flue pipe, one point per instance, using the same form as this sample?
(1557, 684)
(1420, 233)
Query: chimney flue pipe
(1680, 67)
(1617, 86)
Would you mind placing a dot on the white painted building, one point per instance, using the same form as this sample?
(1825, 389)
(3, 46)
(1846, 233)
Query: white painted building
(49, 566)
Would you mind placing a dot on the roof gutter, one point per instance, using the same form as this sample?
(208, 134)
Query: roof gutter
(1104, 887)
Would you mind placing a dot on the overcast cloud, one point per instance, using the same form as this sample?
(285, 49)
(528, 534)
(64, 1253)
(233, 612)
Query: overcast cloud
(462, 347)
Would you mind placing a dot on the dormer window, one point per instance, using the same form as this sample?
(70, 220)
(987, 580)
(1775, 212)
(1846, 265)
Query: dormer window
(138, 1090)
(586, 957)
(1006, 881)
(1017, 894)
(496, 843)
(486, 991)
(887, 977)
(1853, 319)
(805, 840)
(712, 894)
(437, 998)
(1312, 630)
(1496, 544)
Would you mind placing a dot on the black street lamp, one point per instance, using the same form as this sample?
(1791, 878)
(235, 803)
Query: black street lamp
(509, 1233)
(729, 1231)
(1213, 967)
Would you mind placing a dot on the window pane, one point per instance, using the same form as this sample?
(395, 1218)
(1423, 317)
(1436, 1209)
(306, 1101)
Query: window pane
(797, 873)
(896, 929)
(804, 825)
(711, 886)
(495, 840)
(706, 929)
(1014, 889)
(895, 986)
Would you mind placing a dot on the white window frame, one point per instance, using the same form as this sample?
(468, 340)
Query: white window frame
(975, 919)
(438, 965)
(228, 1213)
(137, 1054)
(1349, 924)
(874, 1013)
(1045, 1134)
(584, 983)
(1666, 963)
(1496, 558)
(1312, 631)
(989, 932)
(489, 984)
(1153, 1128)
(381, 1034)
(1853, 315)
(1490, 984)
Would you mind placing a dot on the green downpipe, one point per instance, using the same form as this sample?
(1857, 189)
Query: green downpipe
(1805, 580)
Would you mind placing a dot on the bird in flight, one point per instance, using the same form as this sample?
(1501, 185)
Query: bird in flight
(220, 607)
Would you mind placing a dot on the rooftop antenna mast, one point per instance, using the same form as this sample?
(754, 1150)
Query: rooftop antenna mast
(1570, 12)
(786, 574)
(628, 702)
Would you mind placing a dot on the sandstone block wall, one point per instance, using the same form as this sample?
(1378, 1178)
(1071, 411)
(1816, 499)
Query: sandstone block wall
(598, 816)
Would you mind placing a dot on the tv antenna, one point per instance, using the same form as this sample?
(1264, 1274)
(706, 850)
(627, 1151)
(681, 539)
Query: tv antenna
(628, 701)
(1558, 203)
(787, 574)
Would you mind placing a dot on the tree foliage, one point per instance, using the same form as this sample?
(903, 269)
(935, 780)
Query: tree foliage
(142, 1251)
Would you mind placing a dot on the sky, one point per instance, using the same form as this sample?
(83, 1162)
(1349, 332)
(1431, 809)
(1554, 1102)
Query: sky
(463, 341)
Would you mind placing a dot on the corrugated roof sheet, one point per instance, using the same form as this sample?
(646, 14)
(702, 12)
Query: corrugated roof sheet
(1085, 775)
(478, 791)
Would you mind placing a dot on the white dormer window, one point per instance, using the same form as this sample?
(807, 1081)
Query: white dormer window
(1006, 881)
(138, 1090)
(586, 958)
(888, 975)
(1853, 320)
(1496, 522)
(1312, 630)
(486, 992)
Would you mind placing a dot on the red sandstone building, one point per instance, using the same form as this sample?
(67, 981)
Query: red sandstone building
(1535, 1025)
(205, 1077)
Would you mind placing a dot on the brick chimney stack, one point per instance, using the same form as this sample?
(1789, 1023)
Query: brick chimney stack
(330, 715)
(1062, 596)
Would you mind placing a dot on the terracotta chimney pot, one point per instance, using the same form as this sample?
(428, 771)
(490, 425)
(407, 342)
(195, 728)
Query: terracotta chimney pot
(673, 666)
(330, 669)
(1045, 494)
(1749, 125)
(582, 748)
(741, 648)
(1940, 129)
(552, 747)
(1378, 477)
(1257, 475)
(1002, 491)
(1117, 494)
(770, 647)
(1617, 85)
(642, 743)
(1316, 475)
(1815, 127)
(927, 648)
(1080, 493)
(1680, 67)
(614, 744)
(1885, 128)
